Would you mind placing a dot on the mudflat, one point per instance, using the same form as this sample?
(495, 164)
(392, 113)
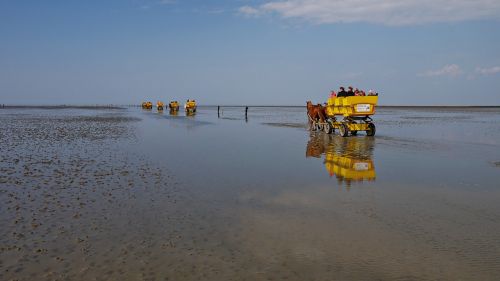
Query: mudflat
(128, 194)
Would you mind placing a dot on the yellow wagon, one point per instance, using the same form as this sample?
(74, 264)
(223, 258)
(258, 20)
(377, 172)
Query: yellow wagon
(173, 106)
(159, 106)
(350, 115)
(190, 107)
(147, 105)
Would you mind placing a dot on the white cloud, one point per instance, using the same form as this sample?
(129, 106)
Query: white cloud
(488, 71)
(389, 12)
(249, 11)
(451, 70)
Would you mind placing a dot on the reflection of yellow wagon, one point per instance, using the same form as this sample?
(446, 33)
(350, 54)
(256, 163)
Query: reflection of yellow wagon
(348, 159)
(355, 115)
(190, 107)
(349, 168)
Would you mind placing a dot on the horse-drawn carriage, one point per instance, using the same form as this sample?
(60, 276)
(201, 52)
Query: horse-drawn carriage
(147, 105)
(159, 106)
(190, 107)
(353, 112)
(173, 106)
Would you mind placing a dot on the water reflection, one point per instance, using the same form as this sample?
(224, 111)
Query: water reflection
(349, 159)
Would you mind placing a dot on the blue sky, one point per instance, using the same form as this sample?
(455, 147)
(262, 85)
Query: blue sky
(441, 52)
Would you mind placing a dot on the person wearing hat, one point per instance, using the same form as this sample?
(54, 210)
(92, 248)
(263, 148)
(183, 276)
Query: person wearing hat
(350, 92)
(342, 93)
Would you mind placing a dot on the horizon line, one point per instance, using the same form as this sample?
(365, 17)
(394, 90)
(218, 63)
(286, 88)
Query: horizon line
(117, 106)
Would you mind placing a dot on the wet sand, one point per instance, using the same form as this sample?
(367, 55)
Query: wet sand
(126, 194)
(76, 204)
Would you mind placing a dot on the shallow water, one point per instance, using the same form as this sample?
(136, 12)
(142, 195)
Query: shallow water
(132, 194)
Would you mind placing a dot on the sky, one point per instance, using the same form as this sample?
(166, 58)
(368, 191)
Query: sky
(249, 52)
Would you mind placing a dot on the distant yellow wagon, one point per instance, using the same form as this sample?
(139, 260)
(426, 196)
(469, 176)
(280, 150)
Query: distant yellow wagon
(173, 106)
(190, 107)
(147, 105)
(159, 106)
(354, 114)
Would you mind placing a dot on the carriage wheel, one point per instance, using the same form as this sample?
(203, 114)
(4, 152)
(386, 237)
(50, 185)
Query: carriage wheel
(343, 130)
(371, 130)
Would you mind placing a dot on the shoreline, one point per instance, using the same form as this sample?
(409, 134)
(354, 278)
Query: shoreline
(240, 106)
(61, 107)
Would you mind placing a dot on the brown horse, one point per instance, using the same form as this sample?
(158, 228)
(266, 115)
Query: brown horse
(316, 112)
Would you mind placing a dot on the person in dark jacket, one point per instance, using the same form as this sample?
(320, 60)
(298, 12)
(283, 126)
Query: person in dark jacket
(350, 92)
(342, 93)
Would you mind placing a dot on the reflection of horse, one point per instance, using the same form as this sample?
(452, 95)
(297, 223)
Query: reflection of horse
(316, 145)
(316, 112)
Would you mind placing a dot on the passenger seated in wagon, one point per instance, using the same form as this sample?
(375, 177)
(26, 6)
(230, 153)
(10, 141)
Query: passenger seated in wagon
(342, 93)
(350, 92)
